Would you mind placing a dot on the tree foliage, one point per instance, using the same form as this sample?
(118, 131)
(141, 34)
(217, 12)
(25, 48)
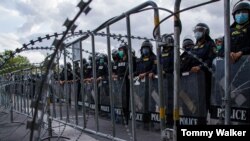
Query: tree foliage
(15, 63)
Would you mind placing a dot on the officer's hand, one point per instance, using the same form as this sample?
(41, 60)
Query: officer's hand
(195, 69)
(141, 76)
(61, 82)
(114, 77)
(151, 75)
(235, 56)
(99, 79)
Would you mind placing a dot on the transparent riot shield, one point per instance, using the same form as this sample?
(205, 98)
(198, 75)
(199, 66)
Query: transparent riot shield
(240, 90)
(193, 99)
(104, 99)
(154, 100)
(90, 96)
(141, 96)
(119, 92)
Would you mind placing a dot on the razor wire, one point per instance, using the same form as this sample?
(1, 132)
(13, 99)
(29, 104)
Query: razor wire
(119, 36)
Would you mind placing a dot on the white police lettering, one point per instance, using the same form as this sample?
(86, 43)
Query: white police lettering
(105, 108)
(188, 121)
(235, 114)
(231, 132)
(121, 64)
(100, 67)
(138, 116)
(118, 111)
(208, 134)
(155, 117)
(92, 106)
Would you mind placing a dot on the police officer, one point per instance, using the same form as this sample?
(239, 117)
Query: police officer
(167, 53)
(146, 61)
(88, 72)
(240, 31)
(123, 73)
(219, 42)
(204, 50)
(115, 57)
(167, 61)
(187, 45)
(102, 67)
(69, 73)
(144, 67)
(63, 80)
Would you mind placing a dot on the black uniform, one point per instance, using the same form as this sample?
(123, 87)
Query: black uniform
(167, 60)
(146, 65)
(239, 39)
(205, 52)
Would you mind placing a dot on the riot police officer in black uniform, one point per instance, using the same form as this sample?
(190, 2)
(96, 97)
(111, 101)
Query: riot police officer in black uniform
(167, 54)
(144, 67)
(167, 60)
(87, 71)
(69, 77)
(146, 61)
(187, 45)
(115, 57)
(240, 31)
(204, 50)
(122, 74)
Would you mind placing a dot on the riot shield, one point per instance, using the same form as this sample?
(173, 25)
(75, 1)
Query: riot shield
(141, 97)
(104, 99)
(89, 95)
(240, 90)
(119, 92)
(192, 99)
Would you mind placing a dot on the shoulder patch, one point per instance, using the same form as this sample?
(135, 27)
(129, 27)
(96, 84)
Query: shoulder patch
(145, 59)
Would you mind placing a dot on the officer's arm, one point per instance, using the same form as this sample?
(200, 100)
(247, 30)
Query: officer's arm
(211, 55)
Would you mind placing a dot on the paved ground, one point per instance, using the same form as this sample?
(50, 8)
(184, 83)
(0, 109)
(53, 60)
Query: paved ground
(18, 132)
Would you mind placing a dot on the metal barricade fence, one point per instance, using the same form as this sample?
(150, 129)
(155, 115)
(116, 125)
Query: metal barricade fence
(240, 89)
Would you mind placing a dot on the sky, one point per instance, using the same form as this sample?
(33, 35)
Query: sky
(25, 20)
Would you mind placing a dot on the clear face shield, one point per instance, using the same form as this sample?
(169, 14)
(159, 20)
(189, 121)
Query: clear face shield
(199, 32)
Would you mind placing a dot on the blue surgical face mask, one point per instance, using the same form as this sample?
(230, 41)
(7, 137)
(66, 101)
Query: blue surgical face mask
(145, 51)
(101, 60)
(198, 35)
(121, 54)
(218, 47)
(241, 18)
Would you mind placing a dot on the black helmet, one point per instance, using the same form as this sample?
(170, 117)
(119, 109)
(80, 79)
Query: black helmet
(102, 56)
(114, 52)
(167, 40)
(122, 46)
(219, 39)
(90, 58)
(241, 6)
(187, 42)
(76, 63)
(147, 43)
(204, 26)
(68, 65)
(84, 61)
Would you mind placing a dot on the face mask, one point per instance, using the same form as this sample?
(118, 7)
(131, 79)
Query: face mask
(101, 61)
(198, 35)
(145, 51)
(218, 48)
(121, 54)
(241, 18)
(187, 48)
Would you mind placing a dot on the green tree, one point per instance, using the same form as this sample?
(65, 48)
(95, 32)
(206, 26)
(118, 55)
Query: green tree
(15, 63)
